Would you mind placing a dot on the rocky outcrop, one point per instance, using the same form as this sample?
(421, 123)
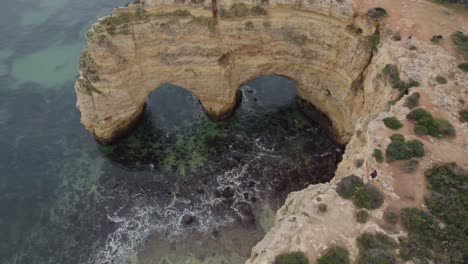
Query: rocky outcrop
(143, 46)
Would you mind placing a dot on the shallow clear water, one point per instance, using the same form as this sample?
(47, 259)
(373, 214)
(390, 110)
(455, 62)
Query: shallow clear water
(180, 189)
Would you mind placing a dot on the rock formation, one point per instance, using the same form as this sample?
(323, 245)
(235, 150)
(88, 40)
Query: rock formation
(143, 46)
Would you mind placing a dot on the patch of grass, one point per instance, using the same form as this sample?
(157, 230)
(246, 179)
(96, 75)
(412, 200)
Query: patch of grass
(373, 41)
(412, 101)
(440, 79)
(378, 155)
(267, 24)
(377, 12)
(335, 255)
(412, 47)
(463, 115)
(392, 123)
(463, 66)
(401, 150)
(390, 216)
(397, 137)
(203, 20)
(376, 249)
(258, 10)
(362, 216)
(461, 43)
(410, 166)
(292, 258)
(426, 124)
(249, 25)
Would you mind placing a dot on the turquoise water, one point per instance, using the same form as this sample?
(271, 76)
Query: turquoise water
(179, 189)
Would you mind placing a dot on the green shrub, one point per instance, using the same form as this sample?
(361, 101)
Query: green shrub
(461, 43)
(392, 123)
(410, 166)
(463, 66)
(335, 255)
(441, 79)
(376, 249)
(266, 24)
(373, 41)
(390, 216)
(463, 115)
(421, 223)
(368, 197)
(412, 47)
(292, 258)
(401, 150)
(428, 125)
(397, 137)
(290, 35)
(377, 12)
(396, 37)
(413, 100)
(362, 216)
(322, 208)
(249, 25)
(348, 186)
(378, 155)
(258, 10)
(353, 29)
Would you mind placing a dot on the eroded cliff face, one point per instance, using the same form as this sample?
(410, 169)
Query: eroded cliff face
(143, 46)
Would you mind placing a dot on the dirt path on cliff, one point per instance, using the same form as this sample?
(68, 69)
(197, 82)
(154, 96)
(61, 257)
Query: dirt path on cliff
(422, 18)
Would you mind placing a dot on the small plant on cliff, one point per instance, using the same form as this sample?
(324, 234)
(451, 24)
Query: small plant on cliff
(267, 24)
(290, 35)
(391, 216)
(242, 10)
(463, 66)
(335, 255)
(461, 43)
(258, 10)
(463, 115)
(392, 75)
(426, 124)
(362, 216)
(392, 123)
(292, 258)
(378, 155)
(413, 100)
(401, 150)
(396, 37)
(249, 25)
(353, 29)
(363, 195)
(377, 12)
(440, 79)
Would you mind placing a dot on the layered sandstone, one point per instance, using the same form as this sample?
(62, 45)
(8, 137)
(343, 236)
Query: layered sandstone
(308, 43)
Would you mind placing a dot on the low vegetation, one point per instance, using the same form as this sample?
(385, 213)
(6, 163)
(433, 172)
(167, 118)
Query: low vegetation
(396, 37)
(392, 75)
(363, 195)
(410, 166)
(378, 155)
(463, 66)
(292, 258)
(412, 101)
(391, 216)
(376, 248)
(322, 208)
(463, 115)
(290, 35)
(353, 29)
(392, 123)
(249, 25)
(403, 150)
(377, 12)
(238, 10)
(362, 216)
(461, 43)
(426, 124)
(438, 235)
(441, 79)
(335, 255)
(397, 137)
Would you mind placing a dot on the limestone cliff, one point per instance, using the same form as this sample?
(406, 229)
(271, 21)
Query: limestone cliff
(143, 46)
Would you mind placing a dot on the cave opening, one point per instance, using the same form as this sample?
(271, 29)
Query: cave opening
(207, 183)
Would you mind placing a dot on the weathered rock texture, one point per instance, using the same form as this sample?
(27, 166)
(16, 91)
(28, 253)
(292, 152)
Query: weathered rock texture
(143, 46)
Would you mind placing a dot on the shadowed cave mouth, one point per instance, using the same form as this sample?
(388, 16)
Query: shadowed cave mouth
(192, 176)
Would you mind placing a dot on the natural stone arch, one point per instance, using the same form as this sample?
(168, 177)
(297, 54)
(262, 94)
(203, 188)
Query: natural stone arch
(120, 68)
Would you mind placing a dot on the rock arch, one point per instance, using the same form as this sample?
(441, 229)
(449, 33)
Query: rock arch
(123, 62)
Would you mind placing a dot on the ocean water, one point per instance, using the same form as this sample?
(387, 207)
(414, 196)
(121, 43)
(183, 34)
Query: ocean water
(179, 189)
